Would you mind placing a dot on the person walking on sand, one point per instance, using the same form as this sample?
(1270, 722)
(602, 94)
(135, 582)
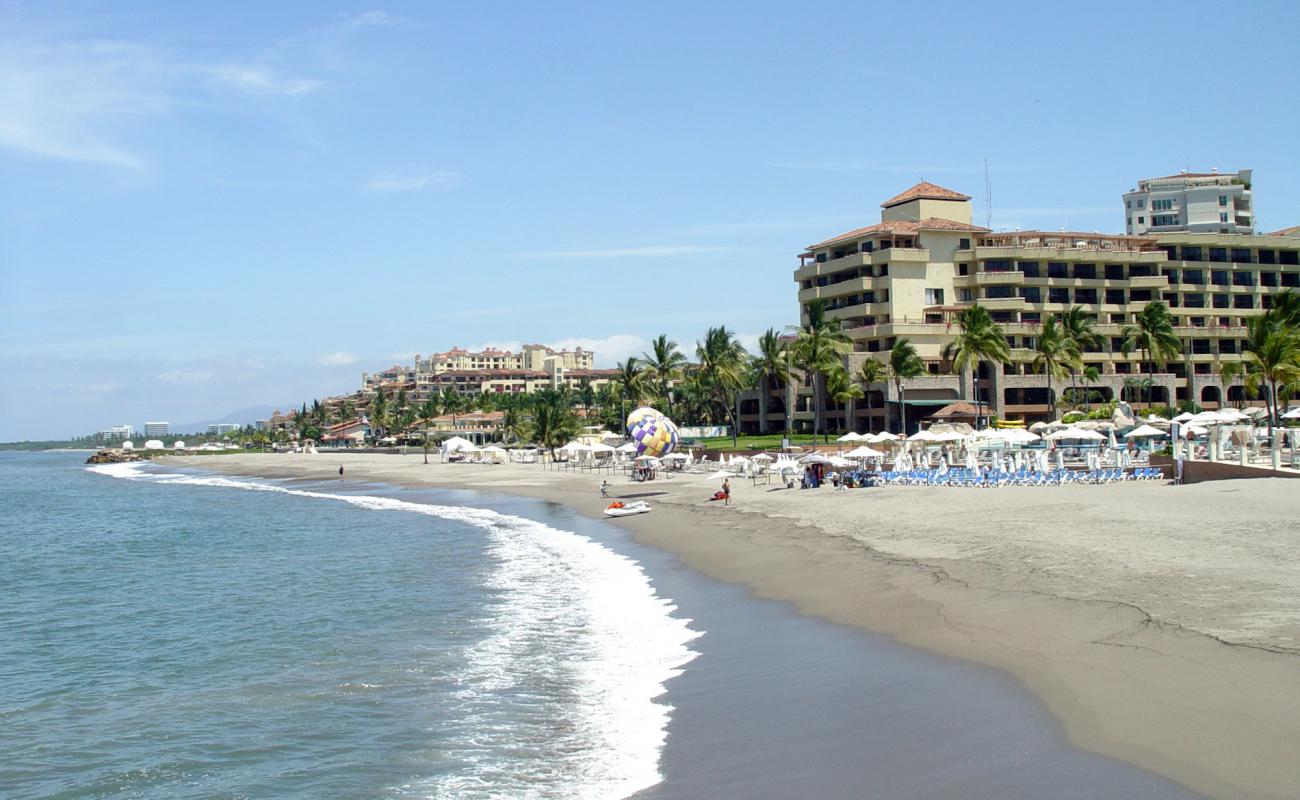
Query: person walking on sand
(604, 488)
(340, 470)
(726, 491)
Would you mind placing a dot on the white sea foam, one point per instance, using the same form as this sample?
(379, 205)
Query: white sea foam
(574, 619)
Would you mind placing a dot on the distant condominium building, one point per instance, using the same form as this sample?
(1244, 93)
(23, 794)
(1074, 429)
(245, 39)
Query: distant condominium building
(155, 428)
(911, 274)
(499, 371)
(1199, 202)
(222, 428)
(117, 432)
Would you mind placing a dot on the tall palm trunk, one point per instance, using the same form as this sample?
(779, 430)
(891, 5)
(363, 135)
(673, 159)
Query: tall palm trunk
(764, 394)
(902, 407)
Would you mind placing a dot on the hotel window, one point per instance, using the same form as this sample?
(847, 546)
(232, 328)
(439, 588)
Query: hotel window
(1057, 269)
(1222, 301)
(1142, 220)
(1142, 202)
(1085, 296)
(1223, 216)
(1140, 296)
(1115, 297)
(1031, 294)
(1228, 346)
(1194, 300)
(934, 297)
(1196, 322)
(1171, 299)
(1267, 257)
(1031, 318)
(1289, 257)
(1223, 200)
(965, 295)
(1114, 272)
(1268, 279)
(999, 292)
(1058, 295)
(1029, 268)
(1243, 279)
(1218, 254)
(1290, 280)
(1243, 301)
(1240, 255)
(1085, 271)
(884, 270)
(963, 244)
(1219, 277)
(997, 265)
(1194, 276)
(1191, 253)
(963, 269)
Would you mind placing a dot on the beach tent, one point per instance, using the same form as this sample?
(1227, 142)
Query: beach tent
(1144, 432)
(864, 452)
(128, 445)
(154, 444)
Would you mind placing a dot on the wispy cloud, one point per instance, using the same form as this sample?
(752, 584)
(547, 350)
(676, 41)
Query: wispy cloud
(374, 18)
(432, 180)
(644, 251)
(186, 376)
(86, 100)
(255, 79)
(339, 359)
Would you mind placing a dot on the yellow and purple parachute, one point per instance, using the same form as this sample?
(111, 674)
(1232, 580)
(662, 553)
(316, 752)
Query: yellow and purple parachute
(652, 432)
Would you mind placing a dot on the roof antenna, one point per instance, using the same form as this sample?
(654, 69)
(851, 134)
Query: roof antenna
(988, 197)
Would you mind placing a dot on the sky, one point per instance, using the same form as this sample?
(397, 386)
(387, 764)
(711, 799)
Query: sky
(210, 206)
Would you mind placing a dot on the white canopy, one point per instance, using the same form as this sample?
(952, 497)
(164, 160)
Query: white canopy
(1075, 433)
(761, 457)
(649, 460)
(1019, 436)
(990, 433)
(154, 444)
(1292, 414)
(883, 436)
(814, 458)
(1156, 418)
(1212, 418)
(719, 475)
(599, 449)
(1143, 432)
(949, 436)
(630, 447)
(1183, 417)
(677, 457)
(1194, 430)
(492, 448)
(864, 452)
(922, 436)
(840, 462)
(850, 437)
(456, 444)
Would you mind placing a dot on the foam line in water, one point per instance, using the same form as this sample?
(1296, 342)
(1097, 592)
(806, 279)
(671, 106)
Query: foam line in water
(572, 614)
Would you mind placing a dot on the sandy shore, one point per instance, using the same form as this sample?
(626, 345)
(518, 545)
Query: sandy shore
(1160, 624)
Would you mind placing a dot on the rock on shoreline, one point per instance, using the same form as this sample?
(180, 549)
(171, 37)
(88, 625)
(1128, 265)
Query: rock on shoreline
(114, 457)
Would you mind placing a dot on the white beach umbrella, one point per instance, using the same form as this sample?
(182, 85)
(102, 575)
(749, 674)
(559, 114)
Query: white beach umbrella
(677, 457)
(1144, 432)
(1019, 436)
(850, 437)
(864, 452)
(1183, 417)
(882, 437)
(630, 447)
(814, 458)
(922, 436)
(761, 457)
(1292, 414)
(1195, 431)
(1156, 418)
(840, 462)
(719, 475)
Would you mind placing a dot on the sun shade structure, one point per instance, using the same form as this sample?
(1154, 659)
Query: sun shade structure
(1144, 432)
(864, 452)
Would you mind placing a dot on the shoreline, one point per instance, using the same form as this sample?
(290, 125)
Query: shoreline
(1215, 710)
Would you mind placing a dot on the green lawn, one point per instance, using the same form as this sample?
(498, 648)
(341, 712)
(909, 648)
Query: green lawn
(768, 442)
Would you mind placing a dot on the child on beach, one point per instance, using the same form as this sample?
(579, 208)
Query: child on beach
(604, 488)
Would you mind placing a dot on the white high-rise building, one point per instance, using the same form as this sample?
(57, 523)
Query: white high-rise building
(1196, 202)
(155, 428)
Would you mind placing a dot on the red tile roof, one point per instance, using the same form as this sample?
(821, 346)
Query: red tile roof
(1194, 175)
(924, 191)
(903, 227)
(1294, 230)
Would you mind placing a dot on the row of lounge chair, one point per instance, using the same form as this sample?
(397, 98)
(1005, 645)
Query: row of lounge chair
(996, 478)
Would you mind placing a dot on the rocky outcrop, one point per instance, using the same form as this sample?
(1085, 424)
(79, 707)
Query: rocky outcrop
(114, 457)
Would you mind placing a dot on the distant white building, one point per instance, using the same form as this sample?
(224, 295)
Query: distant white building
(222, 428)
(1197, 202)
(117, 432)
(155, 428)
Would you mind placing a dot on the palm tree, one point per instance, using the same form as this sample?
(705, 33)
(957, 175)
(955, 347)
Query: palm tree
(631, 380)
(1076, 324)
(1088, 377)
(722, 368)
(871, 372)
(553, 421)
(514, 428)
(772, 370)
(1056, 353)
(453, 402)
(1154, 336)
(904, 363)
(428, 411)
(664, 365)
(841, 388)
(979, 339)
(819, 346)
(1272, 360)
(1229, 373)
(379, 414)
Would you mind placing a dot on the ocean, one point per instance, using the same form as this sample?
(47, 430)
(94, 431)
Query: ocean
(174, 635)
(177, 634)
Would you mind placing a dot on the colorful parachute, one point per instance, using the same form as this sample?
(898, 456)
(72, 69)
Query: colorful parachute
(652, 432)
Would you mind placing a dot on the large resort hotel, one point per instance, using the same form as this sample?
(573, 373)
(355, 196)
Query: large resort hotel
(911, 274)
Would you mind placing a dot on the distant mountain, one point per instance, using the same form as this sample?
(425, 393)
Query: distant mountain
(243, 416)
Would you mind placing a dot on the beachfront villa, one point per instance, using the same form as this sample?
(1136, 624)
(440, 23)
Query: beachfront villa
(534, 368)
(910, 274)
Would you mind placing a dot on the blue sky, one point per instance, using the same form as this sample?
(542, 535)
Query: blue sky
(211, 206)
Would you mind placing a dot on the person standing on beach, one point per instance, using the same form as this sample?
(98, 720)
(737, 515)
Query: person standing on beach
(726, 491)
(604, 488)
(340, 470)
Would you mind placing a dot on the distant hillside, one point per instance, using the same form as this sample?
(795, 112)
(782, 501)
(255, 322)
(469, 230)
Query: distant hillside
(243, 416)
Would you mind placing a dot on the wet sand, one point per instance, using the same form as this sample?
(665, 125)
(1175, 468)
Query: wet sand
(1158, 624)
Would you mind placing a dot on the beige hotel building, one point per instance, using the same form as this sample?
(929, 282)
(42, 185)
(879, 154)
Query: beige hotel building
(911, 273)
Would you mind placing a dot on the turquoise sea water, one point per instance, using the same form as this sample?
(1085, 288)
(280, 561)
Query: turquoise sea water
(173, 635)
